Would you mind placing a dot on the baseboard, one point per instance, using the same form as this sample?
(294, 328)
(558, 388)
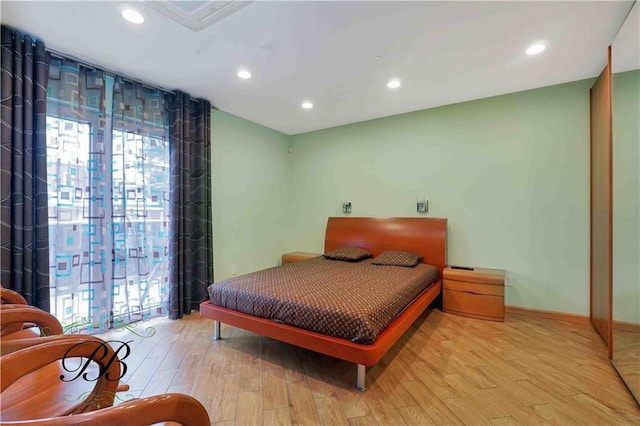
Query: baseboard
(634, 327)
(583, 320)
(560, 316)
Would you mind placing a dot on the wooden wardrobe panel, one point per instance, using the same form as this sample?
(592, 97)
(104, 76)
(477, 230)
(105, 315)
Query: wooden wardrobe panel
(601, 205)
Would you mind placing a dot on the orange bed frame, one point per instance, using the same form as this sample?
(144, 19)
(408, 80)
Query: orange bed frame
(425, 236)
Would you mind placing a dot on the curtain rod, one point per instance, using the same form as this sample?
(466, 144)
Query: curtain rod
(60, 55)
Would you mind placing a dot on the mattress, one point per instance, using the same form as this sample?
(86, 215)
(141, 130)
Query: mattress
(350, 300)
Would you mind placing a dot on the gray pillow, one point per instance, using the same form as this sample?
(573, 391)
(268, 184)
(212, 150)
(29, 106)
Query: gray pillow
(348, 254)
(397, 258)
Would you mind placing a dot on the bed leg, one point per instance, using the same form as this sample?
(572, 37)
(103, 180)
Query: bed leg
(216, 330)
(360, 385)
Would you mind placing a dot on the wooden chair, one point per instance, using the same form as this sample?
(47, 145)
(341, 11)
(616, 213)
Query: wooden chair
(31, 386)
(10, 296)
(22, 321)
(13, 337)
(183, 409)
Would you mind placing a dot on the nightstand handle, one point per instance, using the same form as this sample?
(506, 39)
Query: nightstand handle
(472, 292)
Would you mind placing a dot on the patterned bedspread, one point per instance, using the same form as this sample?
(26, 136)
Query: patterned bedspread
(353, 301)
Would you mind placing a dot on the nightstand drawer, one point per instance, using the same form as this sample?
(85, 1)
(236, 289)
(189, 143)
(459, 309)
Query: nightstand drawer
(476, 275)
(476, 305)
(488, 289)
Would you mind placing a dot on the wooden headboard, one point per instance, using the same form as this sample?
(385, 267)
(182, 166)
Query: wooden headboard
(425, 236)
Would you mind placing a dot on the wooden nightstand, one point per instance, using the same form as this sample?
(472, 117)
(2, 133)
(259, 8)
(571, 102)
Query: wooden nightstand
(477, 293)
(297, 256)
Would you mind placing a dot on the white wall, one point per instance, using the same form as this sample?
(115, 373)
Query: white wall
(250, 194)
(511, 174)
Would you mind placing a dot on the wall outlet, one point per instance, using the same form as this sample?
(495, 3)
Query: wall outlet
(508, 279)
(234, 270)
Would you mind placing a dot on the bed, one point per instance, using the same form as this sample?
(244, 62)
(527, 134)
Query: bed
(424, 236)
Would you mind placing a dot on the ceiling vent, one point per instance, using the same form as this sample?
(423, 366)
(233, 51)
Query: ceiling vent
(196, 15)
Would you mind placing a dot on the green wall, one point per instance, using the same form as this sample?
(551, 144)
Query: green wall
(626, 196)
(511, 174)
(251, 170)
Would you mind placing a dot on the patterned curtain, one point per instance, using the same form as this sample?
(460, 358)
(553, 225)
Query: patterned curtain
(107, 162)
(140, 211)
(191, 230)
(24, 250)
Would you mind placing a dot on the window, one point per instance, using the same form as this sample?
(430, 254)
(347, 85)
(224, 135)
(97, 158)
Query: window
(108, 183)
(140, 176)
(109, 241)
(67, 174)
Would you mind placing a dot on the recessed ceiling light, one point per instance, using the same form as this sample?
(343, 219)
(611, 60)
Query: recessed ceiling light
(244, 74)
(534, 49)
(307, 105)
(132, 16)
(393, 84)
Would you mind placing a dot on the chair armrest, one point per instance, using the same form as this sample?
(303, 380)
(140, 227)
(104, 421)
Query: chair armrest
(12, 318)
(10, 346)
(10, 296)
(17, 364)
(180, 408)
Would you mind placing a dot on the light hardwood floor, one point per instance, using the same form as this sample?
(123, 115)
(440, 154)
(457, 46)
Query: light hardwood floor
(626, 357)
(445, 370)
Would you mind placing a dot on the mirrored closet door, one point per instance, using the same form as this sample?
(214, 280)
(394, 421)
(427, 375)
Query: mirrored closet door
(626, 201)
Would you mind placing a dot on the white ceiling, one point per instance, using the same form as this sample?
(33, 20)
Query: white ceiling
(626, 45)
(325, 52)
